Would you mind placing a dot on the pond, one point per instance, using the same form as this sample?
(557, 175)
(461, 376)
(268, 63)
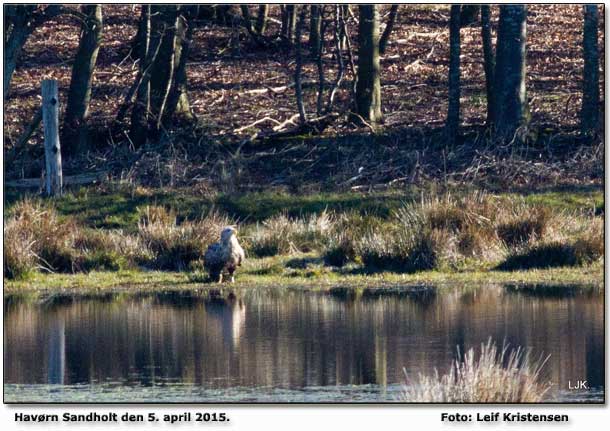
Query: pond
(263, 345)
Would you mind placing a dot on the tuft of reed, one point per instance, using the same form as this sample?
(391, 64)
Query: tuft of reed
(42, 239)
(173, 245)
(19, 257)
(524, 224)
(491, 376)
(286, 235)
(345, 239)
(434, 233)
(584, 248)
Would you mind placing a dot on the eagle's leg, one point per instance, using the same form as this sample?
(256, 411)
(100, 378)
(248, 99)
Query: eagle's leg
(231, 271)
(220, 277)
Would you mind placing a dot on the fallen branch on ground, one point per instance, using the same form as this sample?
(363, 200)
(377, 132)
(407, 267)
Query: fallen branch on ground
(82, 179)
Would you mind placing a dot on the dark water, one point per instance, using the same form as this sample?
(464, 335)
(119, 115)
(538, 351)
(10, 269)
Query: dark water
(271, 347)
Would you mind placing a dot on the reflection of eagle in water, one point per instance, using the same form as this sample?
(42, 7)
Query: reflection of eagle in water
(225, 255)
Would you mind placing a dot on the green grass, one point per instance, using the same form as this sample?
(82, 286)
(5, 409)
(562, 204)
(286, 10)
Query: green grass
(308, 274)
(116, 206)
(569, 200)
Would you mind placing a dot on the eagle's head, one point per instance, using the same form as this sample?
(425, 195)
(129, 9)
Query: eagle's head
(227, 233)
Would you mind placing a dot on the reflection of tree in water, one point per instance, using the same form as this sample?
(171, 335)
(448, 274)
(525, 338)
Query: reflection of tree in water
(292, 339)
(57, 350)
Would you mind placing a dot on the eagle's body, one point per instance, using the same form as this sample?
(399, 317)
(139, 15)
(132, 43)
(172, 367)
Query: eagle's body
(224, 256)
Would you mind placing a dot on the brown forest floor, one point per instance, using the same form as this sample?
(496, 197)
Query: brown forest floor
(414, 74)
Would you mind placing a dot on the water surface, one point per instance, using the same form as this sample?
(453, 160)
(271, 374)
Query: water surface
(265, 346)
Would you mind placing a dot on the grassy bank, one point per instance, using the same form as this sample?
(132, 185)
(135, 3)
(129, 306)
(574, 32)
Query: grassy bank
(407, 237)
(273, 272)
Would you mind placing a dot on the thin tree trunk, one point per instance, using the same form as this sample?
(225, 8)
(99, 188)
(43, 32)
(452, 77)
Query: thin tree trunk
(289, 18)
(509, 77)
(314, 31)
(589, 115)
(299, 64)
(488, 63)
(284, 21)
(79, 95)
(261, 19)
(453, 111)
(29, 129)
(164, 68)
(339, 54)
(247, 19)
(178, 105)
(148, 51)
(368, 88)
(245, 11)
(320, 66)
(350, 55)
(383, 42)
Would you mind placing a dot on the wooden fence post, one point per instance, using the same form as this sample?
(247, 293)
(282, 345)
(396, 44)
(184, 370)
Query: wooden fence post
(52, 150)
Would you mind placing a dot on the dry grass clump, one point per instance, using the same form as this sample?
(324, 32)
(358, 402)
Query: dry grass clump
(589, 245)
(285, 235)
(110, 249)
(408, 245)
(19, 257)
(175, 245)
(492, 376)
(36, 237)
(455, 214)
(477, 229)
(345, 240)
(583, 248)
(524, 224)
(433, 233)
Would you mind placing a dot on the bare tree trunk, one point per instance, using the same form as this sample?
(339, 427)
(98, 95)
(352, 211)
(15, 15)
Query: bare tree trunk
(261, 19)
(299, 65)
(284, 21)
(289, 18)
(589, 114)
(178, 105)
(339, 55)
(164, 67)
(383, 42)
(12, 49)
(509, 78)
(245, 12)
(148, 51)
(368, 88)
(19, 23)
(50, 121)
(314, 31)
(79, 95)
(453, 112)
(488, 63)
(320, 64)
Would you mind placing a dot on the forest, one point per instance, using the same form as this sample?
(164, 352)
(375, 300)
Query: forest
(387, 143)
